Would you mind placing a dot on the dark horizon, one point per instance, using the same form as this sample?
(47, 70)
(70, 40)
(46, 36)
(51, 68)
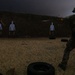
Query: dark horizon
(59, 8)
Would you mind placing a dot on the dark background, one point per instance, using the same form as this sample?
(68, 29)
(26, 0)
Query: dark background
(29, 25)
(59, 8)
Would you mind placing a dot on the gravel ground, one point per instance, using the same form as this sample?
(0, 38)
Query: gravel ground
(18, 53)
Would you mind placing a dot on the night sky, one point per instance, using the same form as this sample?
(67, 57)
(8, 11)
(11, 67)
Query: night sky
(60, 8)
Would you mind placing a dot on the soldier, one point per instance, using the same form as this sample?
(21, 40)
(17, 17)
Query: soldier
(69, 46)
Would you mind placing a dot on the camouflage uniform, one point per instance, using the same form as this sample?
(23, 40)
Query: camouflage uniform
(69, 47)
